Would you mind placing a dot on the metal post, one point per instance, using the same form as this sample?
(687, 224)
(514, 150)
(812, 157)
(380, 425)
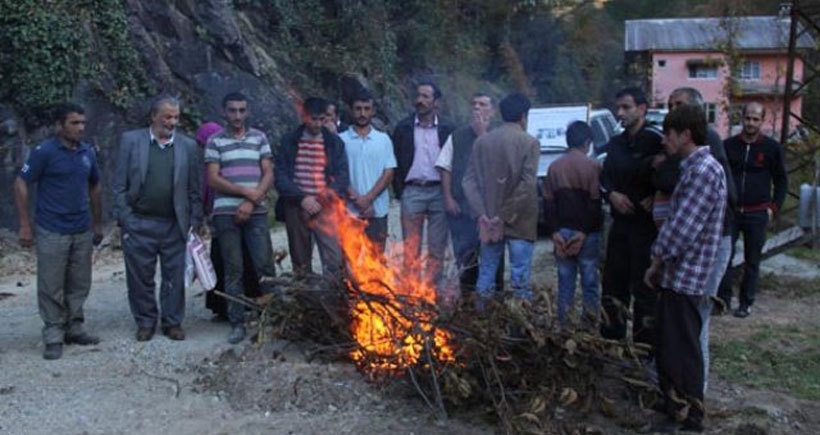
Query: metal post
(787, 92)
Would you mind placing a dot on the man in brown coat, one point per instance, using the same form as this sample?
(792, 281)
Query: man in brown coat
(500, 185)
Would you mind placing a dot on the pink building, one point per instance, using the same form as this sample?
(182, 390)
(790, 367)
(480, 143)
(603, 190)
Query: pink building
(698, 53)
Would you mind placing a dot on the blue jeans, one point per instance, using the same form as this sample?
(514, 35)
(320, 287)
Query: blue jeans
(568, 267)
(520, 261)
(712, 282)
(466, 246)
(256, 236)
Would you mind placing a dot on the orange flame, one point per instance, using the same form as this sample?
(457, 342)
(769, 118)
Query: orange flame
(394, 307)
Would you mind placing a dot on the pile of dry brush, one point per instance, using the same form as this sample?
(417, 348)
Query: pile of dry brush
(513, 363)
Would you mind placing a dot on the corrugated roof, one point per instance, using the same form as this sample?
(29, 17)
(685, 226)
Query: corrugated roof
(751, 33)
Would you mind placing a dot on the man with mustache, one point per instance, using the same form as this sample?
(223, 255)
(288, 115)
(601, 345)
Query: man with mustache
(372, 163)
(157, 193)
(417, 141)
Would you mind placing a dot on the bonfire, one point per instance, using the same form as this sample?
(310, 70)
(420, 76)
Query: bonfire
(392, 299)
(510, 358)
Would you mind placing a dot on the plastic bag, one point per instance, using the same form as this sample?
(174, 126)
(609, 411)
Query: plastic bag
(200, 260)
(190, 273)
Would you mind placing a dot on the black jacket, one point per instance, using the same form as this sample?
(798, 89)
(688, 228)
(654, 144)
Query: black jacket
(756, 168)
(336, 171)
(405, 150)
(628, 169)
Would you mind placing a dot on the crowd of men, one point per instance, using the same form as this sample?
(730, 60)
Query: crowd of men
(679, 200)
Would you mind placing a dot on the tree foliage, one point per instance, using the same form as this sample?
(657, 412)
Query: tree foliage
(47, 48)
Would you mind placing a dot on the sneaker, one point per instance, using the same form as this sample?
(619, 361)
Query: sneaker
(237, 334)
(53, 351)
(743, 312)
(83, 339)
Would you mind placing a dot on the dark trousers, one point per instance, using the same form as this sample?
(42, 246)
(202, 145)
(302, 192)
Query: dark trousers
(143, 241)
(376, 231)
(678, 353)
(302, 230)
(250, 282)
(627, 258)
(255, 235)
(466, 246)
(753, 226)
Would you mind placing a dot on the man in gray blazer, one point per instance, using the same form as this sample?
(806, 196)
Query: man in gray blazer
(157, 200)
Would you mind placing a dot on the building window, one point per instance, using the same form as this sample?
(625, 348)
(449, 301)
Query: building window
(701, 71)
(750, 70)
(711, 112)
(662, 63)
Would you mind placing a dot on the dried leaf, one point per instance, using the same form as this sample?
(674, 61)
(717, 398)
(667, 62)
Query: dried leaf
(568, 396)
(608, 406)
(531, 418)
(637, 383)
(538, 405)
(571, 346)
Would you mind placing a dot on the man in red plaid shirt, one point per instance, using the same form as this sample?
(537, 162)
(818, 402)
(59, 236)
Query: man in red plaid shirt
(682, 256)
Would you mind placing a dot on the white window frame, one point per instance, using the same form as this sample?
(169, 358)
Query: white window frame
(750, 70)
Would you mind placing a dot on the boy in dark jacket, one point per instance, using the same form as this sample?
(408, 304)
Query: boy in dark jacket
(309, 163)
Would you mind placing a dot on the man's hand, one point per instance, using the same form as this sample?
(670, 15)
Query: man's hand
(621, 203)
(369, 212)
(243, 212)
(646, 203)
(651, 275)
(560, 244)
(98, 235)
(770, 214)
(574, 244)
(26, 236)
(658, 160)
(311, 205)
(330, 125)
(362, 202)
(480, 124)
(451, 206)
(255, 196)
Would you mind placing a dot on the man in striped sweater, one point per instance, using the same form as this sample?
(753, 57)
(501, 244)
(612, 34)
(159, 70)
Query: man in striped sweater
(240, 170)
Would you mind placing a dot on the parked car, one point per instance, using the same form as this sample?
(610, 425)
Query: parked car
(604, 126)
(655, 117)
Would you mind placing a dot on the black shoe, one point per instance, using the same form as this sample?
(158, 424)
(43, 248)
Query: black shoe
(743, 312)
(83, 339)
(174, 333)
(53, 351)
(145, 334)
(665, 425)
(689, 425)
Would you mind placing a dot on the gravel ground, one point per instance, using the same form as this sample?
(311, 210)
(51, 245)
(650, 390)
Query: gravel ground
(122, 386)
